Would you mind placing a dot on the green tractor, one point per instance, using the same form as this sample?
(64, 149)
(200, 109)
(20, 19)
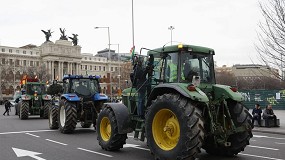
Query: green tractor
(34, 100)
(185, 110)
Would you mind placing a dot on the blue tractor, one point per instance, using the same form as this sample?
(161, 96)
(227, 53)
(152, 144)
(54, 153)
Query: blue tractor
(80, 101)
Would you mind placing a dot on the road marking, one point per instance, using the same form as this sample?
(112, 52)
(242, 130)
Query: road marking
(27, 131)
(252, 140)
(26, 153)
(263, 147)
(56, 142)
(135, 146)
(102, 154)
(250, 155)
(32, 135)
(279, 143)
(259, 136)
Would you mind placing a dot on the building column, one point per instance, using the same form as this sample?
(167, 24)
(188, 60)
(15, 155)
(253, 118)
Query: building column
(52, 70)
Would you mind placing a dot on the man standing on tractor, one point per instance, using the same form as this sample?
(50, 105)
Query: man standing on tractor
(140, 74)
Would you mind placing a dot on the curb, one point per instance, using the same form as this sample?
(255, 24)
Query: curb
(271, 132)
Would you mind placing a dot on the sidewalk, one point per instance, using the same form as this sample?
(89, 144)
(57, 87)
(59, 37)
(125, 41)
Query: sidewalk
(274, 130)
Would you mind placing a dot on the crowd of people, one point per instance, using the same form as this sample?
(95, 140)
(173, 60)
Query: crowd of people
(267, 114)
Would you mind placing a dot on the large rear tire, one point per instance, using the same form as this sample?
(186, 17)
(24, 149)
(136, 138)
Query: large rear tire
(47, 105)
(174, 128)
(107, 128)
(52, 118)
(67, 116)
(240, 116)
(24, 110)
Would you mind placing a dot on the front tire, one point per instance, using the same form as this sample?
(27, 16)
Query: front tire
(52, 118)
(24, 110)
(174, 128)
(107, 128)
(47, 105)
(240, 140)
(67, 116)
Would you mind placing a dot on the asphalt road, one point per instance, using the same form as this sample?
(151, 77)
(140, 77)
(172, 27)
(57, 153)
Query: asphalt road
(34, 135)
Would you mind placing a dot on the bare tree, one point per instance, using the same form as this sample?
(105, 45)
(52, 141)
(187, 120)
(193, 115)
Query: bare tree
(271, 47)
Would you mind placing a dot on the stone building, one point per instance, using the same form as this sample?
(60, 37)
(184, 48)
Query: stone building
(52, 60)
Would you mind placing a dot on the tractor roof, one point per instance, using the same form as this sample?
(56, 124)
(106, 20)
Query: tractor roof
(175, 48)
(68, 76)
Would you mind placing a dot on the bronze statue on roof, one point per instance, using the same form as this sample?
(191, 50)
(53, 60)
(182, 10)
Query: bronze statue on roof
(48, 34)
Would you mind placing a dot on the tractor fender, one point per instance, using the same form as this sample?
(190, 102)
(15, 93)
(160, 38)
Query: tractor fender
(223, 91)
(46, 97)
(71, 97)
(122, 117)
(26, 97)
(100, 97)
(160, 89)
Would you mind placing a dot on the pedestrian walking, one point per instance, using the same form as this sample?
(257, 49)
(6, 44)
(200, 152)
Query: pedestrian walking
(7, 107)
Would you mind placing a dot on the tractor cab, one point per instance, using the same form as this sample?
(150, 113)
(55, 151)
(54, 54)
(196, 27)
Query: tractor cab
(183, 64)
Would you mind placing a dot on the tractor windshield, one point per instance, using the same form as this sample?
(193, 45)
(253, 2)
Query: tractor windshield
(85, 87)
(39, 88)
(182, 67)
(196, 64)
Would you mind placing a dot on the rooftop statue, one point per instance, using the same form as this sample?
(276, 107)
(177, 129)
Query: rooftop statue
(74, 39)
(62, 36)
(48, 34)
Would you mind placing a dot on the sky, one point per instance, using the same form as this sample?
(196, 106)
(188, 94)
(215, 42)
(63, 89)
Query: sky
(228, 26)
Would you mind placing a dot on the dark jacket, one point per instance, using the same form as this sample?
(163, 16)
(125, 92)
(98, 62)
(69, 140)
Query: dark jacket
(256, 111)
(267, 113)
(8, 105)
(140, 74)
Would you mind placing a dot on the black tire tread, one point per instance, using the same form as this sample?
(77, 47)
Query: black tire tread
(71, 117)
(47, 105)
(24, 113)
(195, 124)
(54, 115)
(117, 140)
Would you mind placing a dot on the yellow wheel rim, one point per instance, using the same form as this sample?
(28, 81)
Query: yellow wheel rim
(105, 129)
(165, 129)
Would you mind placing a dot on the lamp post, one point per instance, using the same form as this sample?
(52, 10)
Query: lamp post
(119, 60)
(171, 28)
(109, 56)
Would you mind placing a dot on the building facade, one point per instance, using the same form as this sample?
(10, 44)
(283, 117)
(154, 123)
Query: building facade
(52, 60)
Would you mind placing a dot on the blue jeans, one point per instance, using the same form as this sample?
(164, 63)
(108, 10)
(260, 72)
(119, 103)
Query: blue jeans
(141, 102)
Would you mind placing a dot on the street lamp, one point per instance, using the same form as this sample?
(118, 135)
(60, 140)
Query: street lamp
(109, 56)
(119, 59)
(171, 28)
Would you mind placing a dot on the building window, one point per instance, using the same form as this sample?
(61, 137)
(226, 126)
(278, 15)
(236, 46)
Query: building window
(111, 68)
(90, 59)
(3, 60)
(95, 68)
(98, 59)
(85, 58)
(17, 51)
(24, 62)
(10, 50)
(31, 52)
(31, 63)
(116, 68)
(91, 67)
(104, 68)
(38, 63)
(99, 68)
(81, 67)
(24, 52)
(17, 62)
(3, 50)
(85, 67)
(11, 62)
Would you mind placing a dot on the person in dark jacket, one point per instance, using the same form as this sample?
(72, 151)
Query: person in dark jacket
(268, 114)
(140, 75)
(7, 107)
(256, 114)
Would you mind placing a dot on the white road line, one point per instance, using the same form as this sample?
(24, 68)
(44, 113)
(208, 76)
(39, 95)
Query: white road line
(32, 135)
(279, 143)
(27, 132)
(274, 149)
(56, 142)
(259, 136)
(102, 154)
(135, 146)
(252, 140)
(250, 155)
